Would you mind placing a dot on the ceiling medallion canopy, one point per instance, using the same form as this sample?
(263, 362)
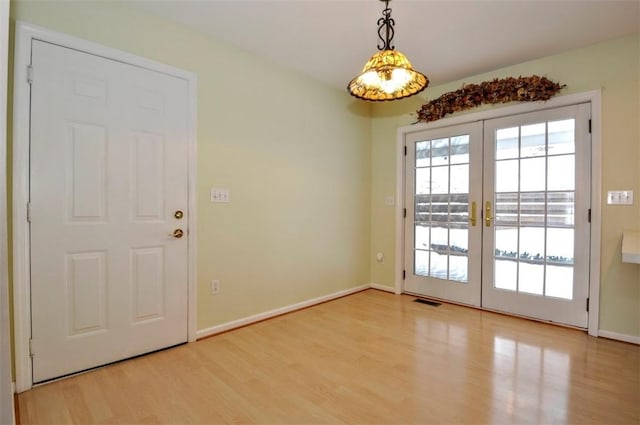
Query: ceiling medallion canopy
(388, 75)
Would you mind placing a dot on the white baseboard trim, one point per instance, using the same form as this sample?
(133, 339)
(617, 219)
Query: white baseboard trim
(213, 330)
(382, 287)
(203, 333)
(620, 337)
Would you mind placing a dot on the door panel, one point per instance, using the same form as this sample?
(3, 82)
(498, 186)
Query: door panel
(86, 285)
(535, 243)
(442, 184)
(147, 169)
(108, 169)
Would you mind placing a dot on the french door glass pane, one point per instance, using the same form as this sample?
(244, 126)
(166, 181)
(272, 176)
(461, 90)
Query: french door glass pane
(506, 242)
(440, 152)
(531, 246)
(559, 246)
(460, 149)
(561, 137)
(441, 208)
(421, 266)
(507, 143)
(561, 172)
(534, 208)
(559, 282)
(532, 174)
(423, 154)
(459, 178)
(506, 209)
(440, 179)
(507, 173)
(531, 278)
(560, 209)
(533, 140)
(458, 268)
(506, 275)
(422, 237)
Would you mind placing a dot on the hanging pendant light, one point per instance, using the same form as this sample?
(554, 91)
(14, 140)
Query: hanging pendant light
(388, 75)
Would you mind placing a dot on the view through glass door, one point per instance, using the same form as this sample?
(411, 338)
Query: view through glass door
(499, 218)
(536, 235)
(442, 227)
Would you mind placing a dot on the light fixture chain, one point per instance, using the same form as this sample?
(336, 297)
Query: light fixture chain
(386, 24)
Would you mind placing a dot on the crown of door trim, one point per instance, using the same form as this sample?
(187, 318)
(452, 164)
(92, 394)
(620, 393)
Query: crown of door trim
(25, 33)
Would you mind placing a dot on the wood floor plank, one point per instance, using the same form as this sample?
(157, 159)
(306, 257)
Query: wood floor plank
(369, 358)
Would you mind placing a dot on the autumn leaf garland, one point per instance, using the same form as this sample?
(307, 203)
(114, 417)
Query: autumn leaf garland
(504, 90)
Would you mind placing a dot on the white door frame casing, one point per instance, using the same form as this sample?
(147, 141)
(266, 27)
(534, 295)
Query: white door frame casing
(25, 33)
(6, 389)
(594, 97)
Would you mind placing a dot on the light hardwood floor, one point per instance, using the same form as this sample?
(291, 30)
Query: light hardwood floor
(370, 358)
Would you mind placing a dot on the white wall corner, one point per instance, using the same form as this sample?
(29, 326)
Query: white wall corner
(384, 288)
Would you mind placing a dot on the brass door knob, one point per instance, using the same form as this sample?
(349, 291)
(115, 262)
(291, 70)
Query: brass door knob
(487, 214)
(473, 219)
(178, 233)
(178, 214)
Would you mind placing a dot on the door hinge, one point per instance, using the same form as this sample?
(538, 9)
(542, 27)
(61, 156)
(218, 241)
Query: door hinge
(404, 213)
(587, 304)
(589, 215)
(31, 347)
(29, 74)
(28, 212)
(405, 150)
(404, 274)
(589, 126)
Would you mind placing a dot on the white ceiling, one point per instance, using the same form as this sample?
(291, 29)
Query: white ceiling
(331, 40)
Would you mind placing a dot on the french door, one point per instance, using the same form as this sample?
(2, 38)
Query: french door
(443, 233)
(498, 214)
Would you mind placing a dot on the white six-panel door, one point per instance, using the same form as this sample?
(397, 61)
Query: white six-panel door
(108, 172)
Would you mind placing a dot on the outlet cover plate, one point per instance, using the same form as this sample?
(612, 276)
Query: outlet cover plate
(620, 197)
(215, 286)
(219, 195)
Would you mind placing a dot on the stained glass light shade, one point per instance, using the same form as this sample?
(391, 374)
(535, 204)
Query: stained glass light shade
(388, 75)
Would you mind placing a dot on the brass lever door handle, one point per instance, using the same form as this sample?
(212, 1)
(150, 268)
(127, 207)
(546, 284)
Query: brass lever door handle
(472, 218)
(178, 233)
(487, 214)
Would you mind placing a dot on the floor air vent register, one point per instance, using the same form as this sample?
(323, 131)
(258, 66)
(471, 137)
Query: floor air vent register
(427, 302)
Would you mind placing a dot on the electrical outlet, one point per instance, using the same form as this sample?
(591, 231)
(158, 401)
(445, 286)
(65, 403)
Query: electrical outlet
(219, 195)
(215, 286)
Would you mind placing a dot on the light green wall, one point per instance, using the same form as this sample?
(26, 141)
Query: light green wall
(294, 153)
(614, 67)
(309, 170)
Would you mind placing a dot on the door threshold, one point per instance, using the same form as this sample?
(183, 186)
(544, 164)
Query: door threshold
(489, 310)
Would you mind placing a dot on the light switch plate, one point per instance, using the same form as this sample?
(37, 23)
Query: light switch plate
(620, 197)
(219, 195)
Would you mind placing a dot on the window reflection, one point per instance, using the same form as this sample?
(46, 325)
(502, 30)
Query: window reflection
(530, 383)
